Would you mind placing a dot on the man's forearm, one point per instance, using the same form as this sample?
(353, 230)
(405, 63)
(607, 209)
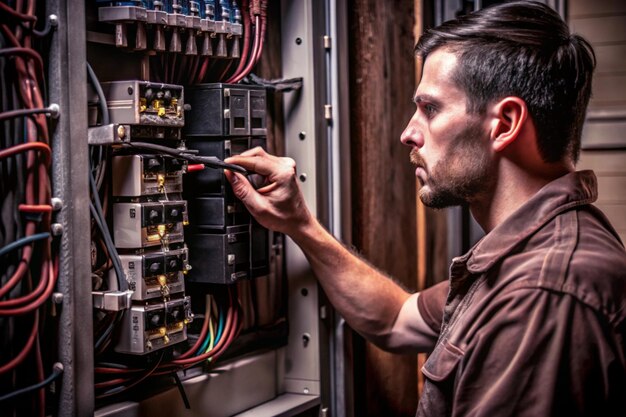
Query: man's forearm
(366, 298)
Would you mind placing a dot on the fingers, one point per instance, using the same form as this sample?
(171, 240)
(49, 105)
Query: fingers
(239, 184)
(263, 163)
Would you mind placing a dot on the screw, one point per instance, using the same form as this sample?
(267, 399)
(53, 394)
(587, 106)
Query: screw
(56, 229)
(54, 20)
(302, 135)
(54, 110)
(121, 131)
(57, 298)
(306, 338)
(306, 390)
(303, 177)
(57, 203)
(298, 41)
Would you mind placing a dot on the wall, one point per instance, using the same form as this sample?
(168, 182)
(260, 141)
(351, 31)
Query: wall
(603, 23)
(382, 81)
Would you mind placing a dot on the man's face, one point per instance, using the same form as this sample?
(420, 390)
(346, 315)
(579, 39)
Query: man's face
(449, 146)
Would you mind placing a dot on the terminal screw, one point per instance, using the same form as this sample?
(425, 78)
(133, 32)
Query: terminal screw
(56, 229)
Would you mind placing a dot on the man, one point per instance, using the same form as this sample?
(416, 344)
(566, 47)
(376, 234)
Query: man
(533, 319)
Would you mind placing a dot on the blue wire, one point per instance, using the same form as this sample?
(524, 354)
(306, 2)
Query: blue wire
(23, 242)
(220, 328)
(205, 344)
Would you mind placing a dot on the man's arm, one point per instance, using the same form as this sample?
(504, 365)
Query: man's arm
(374, 305)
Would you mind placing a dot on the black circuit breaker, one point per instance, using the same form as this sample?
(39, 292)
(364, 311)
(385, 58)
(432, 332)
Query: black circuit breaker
(227, 244)
(225, 110)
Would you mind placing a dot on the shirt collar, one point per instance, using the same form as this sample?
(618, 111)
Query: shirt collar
(571, 190)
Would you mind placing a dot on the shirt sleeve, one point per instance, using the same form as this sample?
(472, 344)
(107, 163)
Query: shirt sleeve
(431, 303)
(541, 353)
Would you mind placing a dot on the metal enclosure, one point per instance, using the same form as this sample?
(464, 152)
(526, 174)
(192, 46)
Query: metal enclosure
(308, 375)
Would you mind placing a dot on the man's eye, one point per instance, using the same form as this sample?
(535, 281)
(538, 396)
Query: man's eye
(429, 109)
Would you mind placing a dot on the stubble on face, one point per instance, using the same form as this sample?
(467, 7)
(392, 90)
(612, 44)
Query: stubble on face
(461, 175)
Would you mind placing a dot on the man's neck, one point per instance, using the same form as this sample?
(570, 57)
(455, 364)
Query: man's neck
(512, 188)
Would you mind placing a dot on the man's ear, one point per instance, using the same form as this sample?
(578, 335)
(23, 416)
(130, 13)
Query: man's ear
(509, 117)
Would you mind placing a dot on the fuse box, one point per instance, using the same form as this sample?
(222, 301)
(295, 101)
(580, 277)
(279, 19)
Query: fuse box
(140, 225)
(145, 103)
(150, 327)
(156, 274)
(145, 174)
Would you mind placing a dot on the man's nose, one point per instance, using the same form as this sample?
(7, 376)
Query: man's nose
(412, 135)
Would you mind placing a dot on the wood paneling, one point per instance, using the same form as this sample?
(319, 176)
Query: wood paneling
(603, 22)
(610, 168)
(601, 29)
(609, 90)
(384, 214)
(609, 163)
(605, 133)
(610, 58)
(579, 8)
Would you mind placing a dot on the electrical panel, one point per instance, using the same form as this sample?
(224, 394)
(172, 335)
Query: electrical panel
(178, 277)
(158, 146)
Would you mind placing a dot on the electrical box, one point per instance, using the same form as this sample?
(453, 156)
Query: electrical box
(226, 110)
(145, 103)
(143, 175)
(150, 327)
(140, 225)
(156, 274)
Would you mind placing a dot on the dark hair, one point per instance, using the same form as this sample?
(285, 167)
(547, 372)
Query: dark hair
(522, 49)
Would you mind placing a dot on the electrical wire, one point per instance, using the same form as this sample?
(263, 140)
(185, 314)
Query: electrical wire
(15, 14)
(30, 277)
(29, 146)
(22, 242)
(117, 265)
(57, 371)
(208, 161)
(102, 103)
(27, 112)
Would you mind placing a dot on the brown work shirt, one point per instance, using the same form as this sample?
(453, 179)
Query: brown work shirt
(533, 319)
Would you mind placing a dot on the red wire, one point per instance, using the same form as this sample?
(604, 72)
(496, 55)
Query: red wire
(31, 296)
(39, 301)
(263, 28)
(195, 167)
(246, 39)
(17, 14)
(35, 208)
(25, 350)
(25, 147)
(25, 51)
(257, 37)
(23, 265)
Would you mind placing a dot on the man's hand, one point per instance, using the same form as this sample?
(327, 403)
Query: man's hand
(278, 204)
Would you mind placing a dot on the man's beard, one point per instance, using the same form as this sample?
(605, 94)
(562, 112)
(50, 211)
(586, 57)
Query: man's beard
(463, 173)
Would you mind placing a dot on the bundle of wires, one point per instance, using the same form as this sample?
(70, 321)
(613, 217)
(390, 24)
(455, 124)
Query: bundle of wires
(28, 261)
(180, 69)
(222, 324)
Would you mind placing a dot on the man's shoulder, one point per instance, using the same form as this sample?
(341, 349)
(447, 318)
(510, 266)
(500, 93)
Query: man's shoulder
(577, 253)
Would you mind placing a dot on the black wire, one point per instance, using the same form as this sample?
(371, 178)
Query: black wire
(181, 390)
(108, 241)
(102, 102)
(123, 388)
(208, 161)
(107, 333)
(23, 112)
(57, 370)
